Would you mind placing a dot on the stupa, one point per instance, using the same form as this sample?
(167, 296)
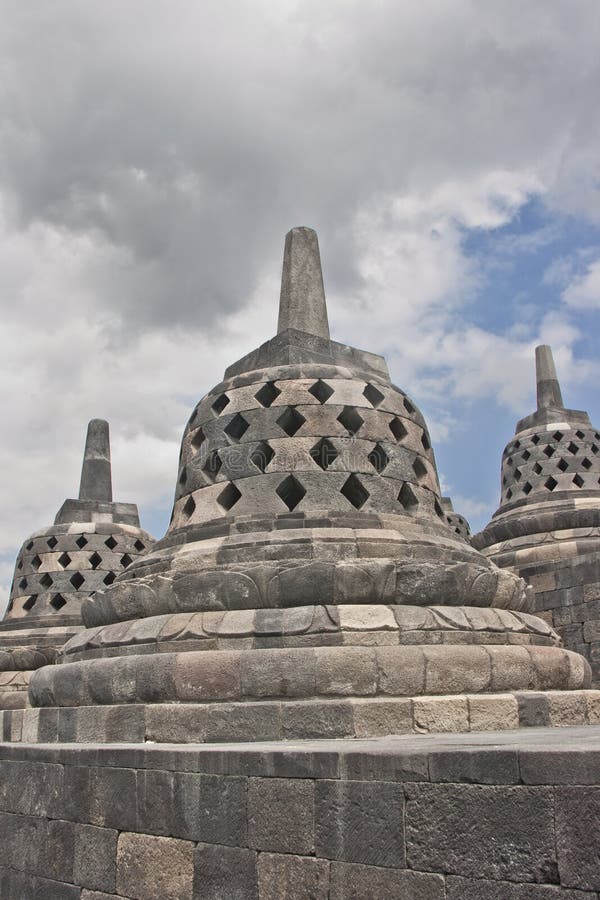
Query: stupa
(547, 527)
(92, 540)
(308, 584)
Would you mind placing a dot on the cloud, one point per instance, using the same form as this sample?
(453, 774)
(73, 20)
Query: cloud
(153, 156)
(584, 290)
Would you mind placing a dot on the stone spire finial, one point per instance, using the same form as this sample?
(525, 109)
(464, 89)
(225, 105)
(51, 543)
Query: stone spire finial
(548, 388)
(302, 304)
(96, 482)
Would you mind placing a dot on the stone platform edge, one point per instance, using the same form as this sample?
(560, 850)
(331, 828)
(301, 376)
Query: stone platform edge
(456, 817)
(340, 718)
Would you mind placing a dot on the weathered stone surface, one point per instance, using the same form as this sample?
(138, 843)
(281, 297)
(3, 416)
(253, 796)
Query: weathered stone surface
(577, 838)
(478, 889)
(491, 832)
(360, 822)
(282, 877)
(281, 815)
(355, 882)
(95, 858)
(225, 872)
(210, 808)
(154, 868)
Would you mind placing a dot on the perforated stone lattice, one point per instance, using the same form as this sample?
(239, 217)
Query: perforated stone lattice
(306, 429)
(59, 565)
(551, 461)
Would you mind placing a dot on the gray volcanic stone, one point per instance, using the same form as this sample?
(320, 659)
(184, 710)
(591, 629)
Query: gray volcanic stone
(281, 815)
(356, 882)
(225, 872)
(283, 877)
(577, 838)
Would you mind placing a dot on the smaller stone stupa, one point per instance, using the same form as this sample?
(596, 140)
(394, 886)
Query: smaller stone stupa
(547, 527)
(92, 541)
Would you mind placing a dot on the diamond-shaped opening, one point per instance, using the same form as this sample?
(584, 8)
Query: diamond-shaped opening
(77, 580)
(23, 583)
(183, 477)
(267, 394)
(527, 488)
(438, 509)
(64, 559)
(29, 545)
(594, 449)
(57, 602)
(517, 474)
(109, 578)
(290, 420)
(30, 602)
(504, 481)
(419, 468)
(408, 406)
(291, 491)
(517, 444)
(538, 469)
(378, 458)
(46, 580)
(95, 560)
(262, 455)
(220, 403)
(229, 496)
(580, 435)
(212, 466)
(324, 453)
(425, 441)
(572, 448)
(52, 542)
(20, 565)
(535, 439)
(548, 450)
(198, 439)
(355, 492)
(82, 541)
(110, 542)
(236, 428)
(398, 429)
(126, 560)
(188, 507)
(407, 498)
(36, 562)
(321, 391)
(525, 455)
(508, 494)
(578, 481)
(586, 463)
(550, 483)
(374, 396)
(597, 436)
(558, 435)
(509, 461)
(139, 546)
(350, 419)
(563, 465)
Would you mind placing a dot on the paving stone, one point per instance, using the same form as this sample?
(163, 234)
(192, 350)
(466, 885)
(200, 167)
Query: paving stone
(154, 868)
(360, 822)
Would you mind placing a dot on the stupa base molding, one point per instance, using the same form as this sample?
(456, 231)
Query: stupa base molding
(285, 720)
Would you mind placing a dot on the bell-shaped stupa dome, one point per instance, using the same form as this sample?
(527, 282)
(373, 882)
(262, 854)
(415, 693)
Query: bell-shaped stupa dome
(308, 582)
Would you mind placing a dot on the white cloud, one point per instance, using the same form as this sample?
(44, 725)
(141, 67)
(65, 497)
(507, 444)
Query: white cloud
(584, 290)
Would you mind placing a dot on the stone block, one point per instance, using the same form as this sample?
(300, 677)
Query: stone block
(401, 674)
(113, 798)
(360, 822)
(59, 851)
(458, 888)
(578, 838)
(566, 708)
(375, 717)
(317, 719)
(95, 858)
(281, 815)
(210, 808)
(208, 675)
(512, 669)
(441, 714)
(155, 807)
(224, 873)
(474, 766)
(278, 673)
(493, 712)
(478, 831)
(350, 881)
(283, 877)
(347, 671)
(154, 868)
(533, 709)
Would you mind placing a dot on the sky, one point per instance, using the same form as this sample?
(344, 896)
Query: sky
(153, 154)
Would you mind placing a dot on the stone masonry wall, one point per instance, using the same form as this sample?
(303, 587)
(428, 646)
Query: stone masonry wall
(481, 817)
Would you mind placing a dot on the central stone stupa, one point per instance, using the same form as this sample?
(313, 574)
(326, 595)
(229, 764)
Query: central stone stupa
(309, 584)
